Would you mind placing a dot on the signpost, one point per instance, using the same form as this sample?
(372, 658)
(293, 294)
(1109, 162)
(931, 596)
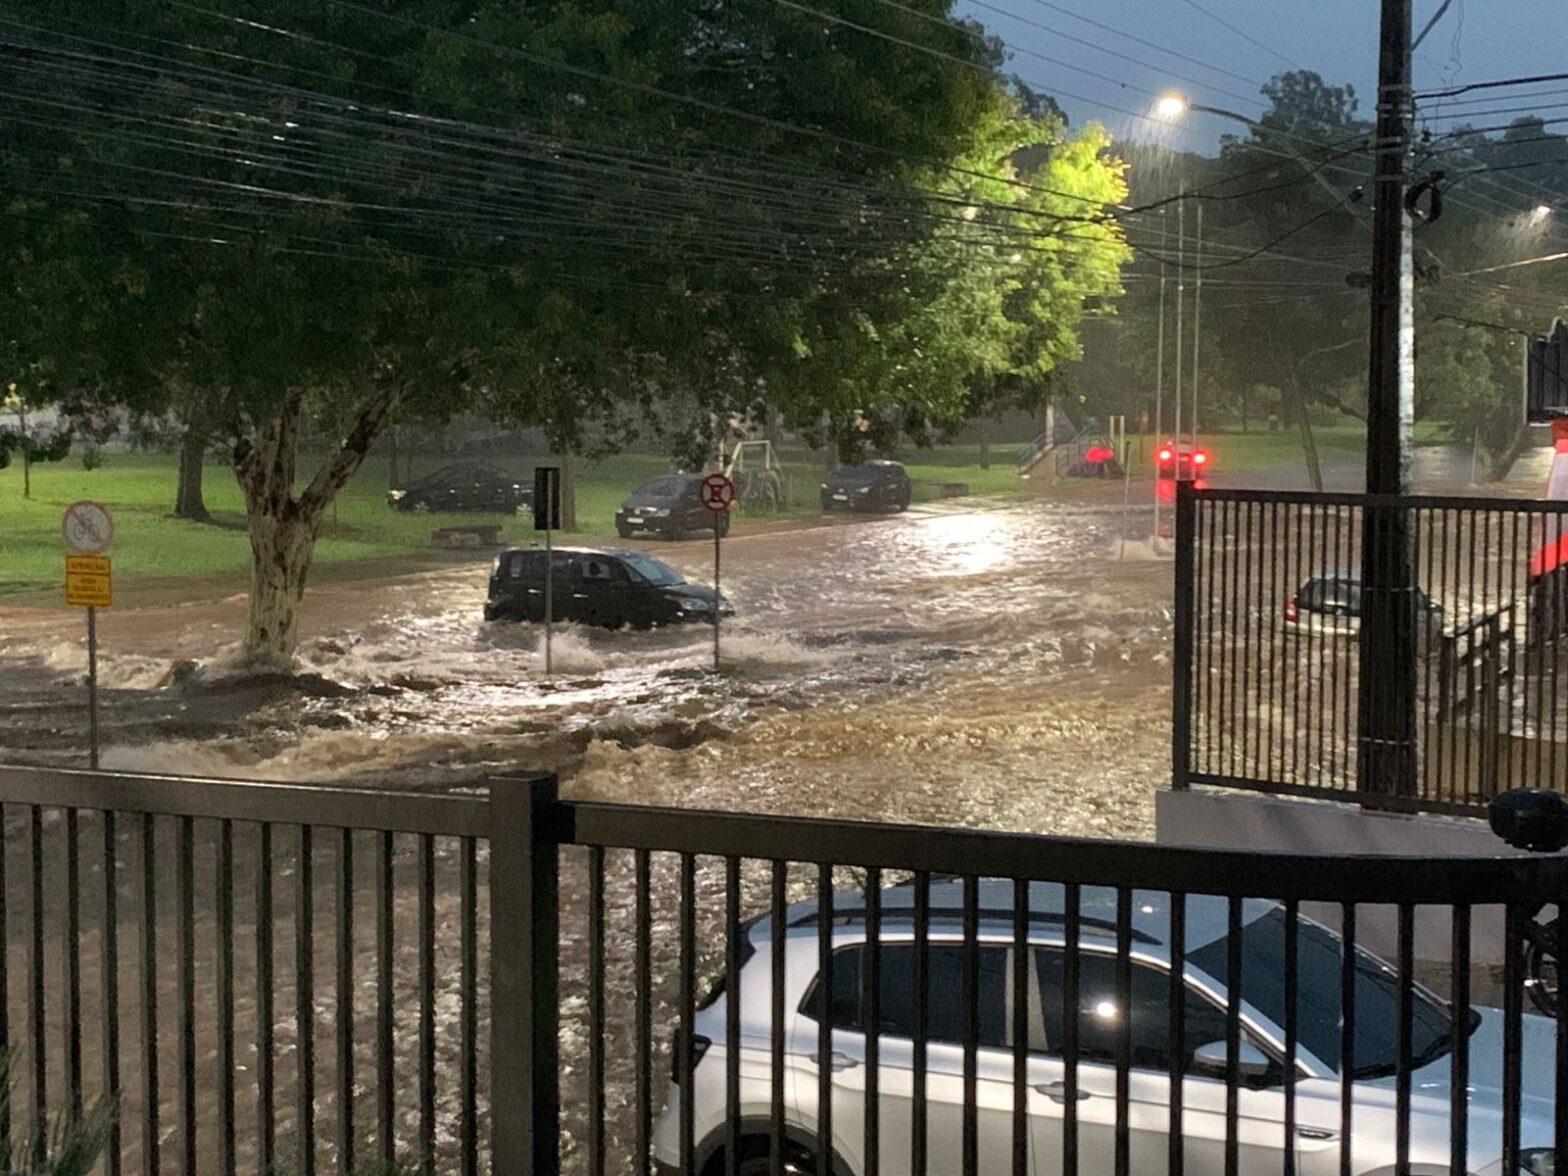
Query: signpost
(547, 518)
(88, 530)
(718, 494)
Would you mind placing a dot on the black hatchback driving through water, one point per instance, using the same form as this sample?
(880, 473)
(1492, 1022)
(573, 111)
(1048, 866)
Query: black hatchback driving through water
(597, 586)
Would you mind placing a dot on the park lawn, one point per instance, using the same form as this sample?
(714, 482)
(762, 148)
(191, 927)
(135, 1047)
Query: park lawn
(149, 543)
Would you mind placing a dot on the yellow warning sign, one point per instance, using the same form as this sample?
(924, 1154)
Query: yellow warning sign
(87, 581)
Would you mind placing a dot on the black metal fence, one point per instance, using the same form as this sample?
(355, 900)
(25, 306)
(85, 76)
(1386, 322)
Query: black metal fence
(1268, 604)
(759, 995)
(524, 984)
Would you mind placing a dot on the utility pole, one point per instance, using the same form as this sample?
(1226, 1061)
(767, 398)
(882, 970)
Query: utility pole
(1197, 325)
(1181, 302)
(1159, 388)
(1386, 760)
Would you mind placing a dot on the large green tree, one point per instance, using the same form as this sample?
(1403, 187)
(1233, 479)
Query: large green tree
(278, 217)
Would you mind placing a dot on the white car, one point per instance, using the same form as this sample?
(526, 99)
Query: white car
(1261, 1059)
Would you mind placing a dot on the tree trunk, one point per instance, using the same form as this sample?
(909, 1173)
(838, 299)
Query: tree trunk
(189, 502)
(568, 494)
(392, 481)
(27, 453)
(283, 526)
(1500, 464)
(1309, 445)
(985, 445)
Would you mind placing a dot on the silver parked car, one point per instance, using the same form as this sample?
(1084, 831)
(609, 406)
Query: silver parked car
(1262, 1056)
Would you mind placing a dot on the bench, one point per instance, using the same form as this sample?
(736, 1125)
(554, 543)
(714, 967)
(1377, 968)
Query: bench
(467, 538)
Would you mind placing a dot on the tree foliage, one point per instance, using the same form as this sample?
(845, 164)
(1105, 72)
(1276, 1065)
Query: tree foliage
(586, 215)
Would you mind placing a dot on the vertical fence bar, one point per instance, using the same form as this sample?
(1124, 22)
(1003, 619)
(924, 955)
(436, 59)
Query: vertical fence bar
(73, 962)
(1295, 649)
(109, 984)
(266, 1107)
(305, 1001)
(1206, 513)
(1347, 1036)
(1233, 983)
(468, 1025)
(386, 1123)
(825, 1017)
(185, 882)
(685, 1060)
(427, 1003)
(1073, 931)
(1292, 1028)
(643, 983)
(36, 1006)
(1176, 1157)
(776, 1020)
(1122, 1155)
(1559, 1102)
(1513, 1035)
(525, 963)
(1459, 1043)
(921, 980)
(970, 999)
(871, 1001)
(732, 1002)
(1020, 1027)
(151, 1133)
(596, 1010)
(1181, 657)
(1405, 1013)
(345, 1001)
(223, 887)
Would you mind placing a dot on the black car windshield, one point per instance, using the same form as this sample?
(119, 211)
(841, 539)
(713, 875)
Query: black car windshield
(647, 570)
(1320, 957)
(664, 489)
(857, 475)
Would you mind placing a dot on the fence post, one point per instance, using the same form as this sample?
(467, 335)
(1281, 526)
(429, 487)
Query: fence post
(525, 1096)
(1185, 617)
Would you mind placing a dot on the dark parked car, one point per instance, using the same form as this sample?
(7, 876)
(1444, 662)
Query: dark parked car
(469, 486)
(596, 586)
(668, 505)
(875, 486)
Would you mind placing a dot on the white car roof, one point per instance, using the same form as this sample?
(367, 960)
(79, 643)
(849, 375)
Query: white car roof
(1208, 916)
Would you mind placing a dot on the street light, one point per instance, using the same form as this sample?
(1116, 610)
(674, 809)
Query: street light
(1539, 213)
(1171, 106)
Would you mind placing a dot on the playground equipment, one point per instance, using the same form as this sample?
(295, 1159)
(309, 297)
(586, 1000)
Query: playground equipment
(761, 485)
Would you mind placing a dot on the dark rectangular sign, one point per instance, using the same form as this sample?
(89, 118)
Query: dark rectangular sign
(547, 498)
(1546, 375)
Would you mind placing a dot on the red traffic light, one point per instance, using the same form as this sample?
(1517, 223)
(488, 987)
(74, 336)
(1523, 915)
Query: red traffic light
(1166, 455)
(1200, 458)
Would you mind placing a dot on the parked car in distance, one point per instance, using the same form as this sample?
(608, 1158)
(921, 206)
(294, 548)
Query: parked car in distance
(669, 505)
(881, 486)
(465, 486)
(596, 586)
(1329, 604)
(1100, 1020)
(1181, 462)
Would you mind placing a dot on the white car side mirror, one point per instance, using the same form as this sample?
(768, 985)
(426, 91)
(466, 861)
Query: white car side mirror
(1251, 1062)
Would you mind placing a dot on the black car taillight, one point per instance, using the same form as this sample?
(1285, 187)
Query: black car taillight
(699, 1046)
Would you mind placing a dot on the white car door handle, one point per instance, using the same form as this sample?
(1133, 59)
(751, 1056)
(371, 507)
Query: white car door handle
(836, 1061)
(1057, 1091)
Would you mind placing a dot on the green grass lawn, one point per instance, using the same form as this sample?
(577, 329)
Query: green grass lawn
(150, 543)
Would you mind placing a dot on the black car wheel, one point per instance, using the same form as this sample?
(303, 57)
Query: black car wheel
(903, 499)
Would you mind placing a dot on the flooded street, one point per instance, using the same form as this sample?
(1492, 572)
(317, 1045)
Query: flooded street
(984, 664)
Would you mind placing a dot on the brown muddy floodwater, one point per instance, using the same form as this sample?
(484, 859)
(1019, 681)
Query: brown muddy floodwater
(999, 665)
